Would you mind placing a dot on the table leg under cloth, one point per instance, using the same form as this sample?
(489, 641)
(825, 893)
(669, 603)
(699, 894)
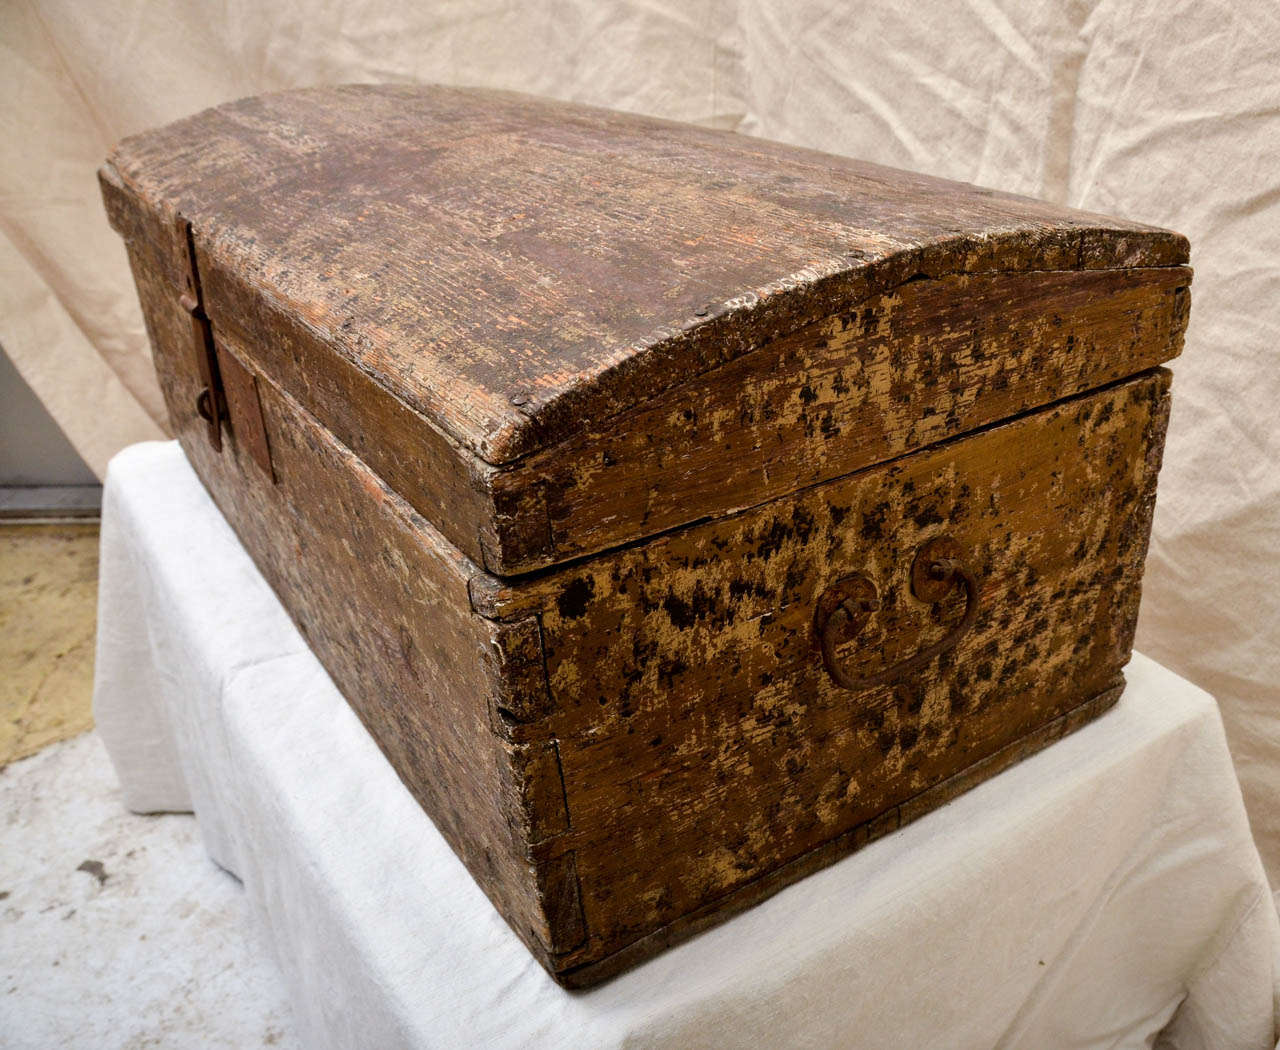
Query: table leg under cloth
(1097, 894)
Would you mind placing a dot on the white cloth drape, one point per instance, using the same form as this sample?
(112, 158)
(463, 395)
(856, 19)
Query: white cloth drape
(1097, 894)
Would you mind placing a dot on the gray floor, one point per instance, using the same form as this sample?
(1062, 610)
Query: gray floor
(117, 930)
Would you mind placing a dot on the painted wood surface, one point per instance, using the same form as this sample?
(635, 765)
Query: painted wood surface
(382, 598)
(555, 461)
(693, 717)
(904, 369)
(481, 278)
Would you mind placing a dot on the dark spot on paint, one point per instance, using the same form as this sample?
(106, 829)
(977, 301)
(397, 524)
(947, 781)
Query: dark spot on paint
(680, 611)
(927, 516)
(873, 522)
(770, 544)
(573, 600)
(803, 522)
(668, 670)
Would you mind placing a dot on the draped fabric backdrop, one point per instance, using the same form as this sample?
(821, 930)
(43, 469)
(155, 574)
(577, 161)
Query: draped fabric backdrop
(1167, 112)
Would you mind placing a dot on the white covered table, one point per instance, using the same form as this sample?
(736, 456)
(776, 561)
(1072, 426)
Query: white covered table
(1099, 893)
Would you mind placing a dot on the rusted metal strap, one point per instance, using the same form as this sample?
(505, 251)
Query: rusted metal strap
(210, 404)
(228, 388)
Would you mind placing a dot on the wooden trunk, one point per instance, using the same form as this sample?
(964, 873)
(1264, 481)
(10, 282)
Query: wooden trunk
(678, 511)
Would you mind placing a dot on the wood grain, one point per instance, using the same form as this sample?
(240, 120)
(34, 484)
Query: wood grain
(931, 359)
(625, 748)
(383, 600)
(401, 281)
(693, 717)
(552, 428)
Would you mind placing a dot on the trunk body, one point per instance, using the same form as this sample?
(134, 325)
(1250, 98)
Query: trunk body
(660, 604)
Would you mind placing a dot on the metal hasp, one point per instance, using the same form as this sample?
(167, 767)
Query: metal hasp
(847, 605)
(210, 405)
(228, 389)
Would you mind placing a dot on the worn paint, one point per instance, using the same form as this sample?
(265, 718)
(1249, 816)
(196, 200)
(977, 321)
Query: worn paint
(692, 712)
(626, 746)
(478, 278)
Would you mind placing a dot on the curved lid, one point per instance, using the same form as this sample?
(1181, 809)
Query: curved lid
(516, 269)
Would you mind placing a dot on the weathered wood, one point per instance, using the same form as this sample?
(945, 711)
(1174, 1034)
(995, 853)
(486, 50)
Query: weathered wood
(693, 717)
(568, 437)
(480, 277)
(771, 882)
(932, 358)
(383, 599)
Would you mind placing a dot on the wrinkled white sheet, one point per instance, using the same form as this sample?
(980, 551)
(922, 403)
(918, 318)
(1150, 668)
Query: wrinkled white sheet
(1163, 111)
(1093, 896)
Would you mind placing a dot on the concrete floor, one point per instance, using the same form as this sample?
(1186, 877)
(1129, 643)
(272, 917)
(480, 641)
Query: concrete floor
(116, 931)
